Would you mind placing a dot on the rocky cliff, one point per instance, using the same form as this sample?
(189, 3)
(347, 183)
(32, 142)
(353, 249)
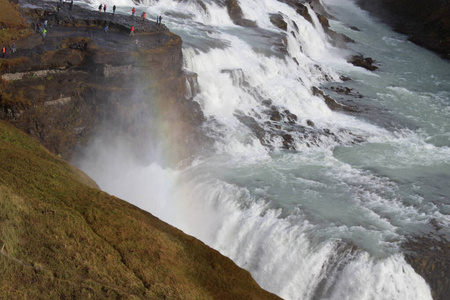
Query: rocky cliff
(79, 79)
(427, 23)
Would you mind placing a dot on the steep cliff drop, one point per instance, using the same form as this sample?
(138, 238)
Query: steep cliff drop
(65, 88)
(61, 237)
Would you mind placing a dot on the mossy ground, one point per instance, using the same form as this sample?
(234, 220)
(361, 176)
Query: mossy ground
(13, 25)
(61, 237)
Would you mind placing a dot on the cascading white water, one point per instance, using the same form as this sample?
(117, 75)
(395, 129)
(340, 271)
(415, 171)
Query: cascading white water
(324, 221)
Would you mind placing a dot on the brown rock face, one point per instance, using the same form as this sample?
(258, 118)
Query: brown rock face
(363, 62)
(278, 21)
(64, 89)
(430, 258)
(235, 12)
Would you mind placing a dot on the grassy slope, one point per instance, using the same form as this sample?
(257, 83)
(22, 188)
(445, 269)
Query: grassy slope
(63, 238)
(12, 23)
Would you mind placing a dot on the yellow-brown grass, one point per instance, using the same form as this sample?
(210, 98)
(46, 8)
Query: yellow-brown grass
(61, 237)
(13, 25)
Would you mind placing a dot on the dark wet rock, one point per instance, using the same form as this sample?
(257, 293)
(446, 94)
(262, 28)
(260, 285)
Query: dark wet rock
(330, 102)
(292, 118)
(345, 78)
(302, 10)
(275, 115)
(235, 13)
(277, 20)
(346, 91)
(426, 23)
(295, 26)
(338, 39)
(251, 123)
(323, 21)
(354, 28)
(288, 142)
(430, 258)
(285, 126)
(267, 102)
(317, 6)
(363, 62)
(200, 3)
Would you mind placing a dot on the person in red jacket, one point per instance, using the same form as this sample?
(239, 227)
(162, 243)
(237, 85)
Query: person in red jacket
(132, 31)
(133, 11)
(3, 51)
(144, 14)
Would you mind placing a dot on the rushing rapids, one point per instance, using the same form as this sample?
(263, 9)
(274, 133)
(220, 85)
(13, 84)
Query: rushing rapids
(314, 201)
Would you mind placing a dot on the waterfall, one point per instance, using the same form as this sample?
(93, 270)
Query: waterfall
(313, 202)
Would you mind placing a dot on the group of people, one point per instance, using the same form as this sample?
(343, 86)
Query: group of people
(158, 20)
(103, 6)
(144, 16)
(42, 29)
(4, 49)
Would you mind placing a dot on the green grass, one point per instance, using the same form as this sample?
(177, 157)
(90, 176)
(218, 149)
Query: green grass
(64, 238)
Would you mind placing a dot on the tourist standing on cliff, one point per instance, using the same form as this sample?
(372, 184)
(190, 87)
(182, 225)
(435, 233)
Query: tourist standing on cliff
(106, 29)
(71, 4)
(132, 30)
(104, 8)
(14, 48)
(3, 51)
(160, 18)
(144, 14)
(44, 33)
(114, 9)
(133, 11)
(100, 8)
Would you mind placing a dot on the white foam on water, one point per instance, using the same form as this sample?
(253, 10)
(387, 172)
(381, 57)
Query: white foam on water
(308, 224)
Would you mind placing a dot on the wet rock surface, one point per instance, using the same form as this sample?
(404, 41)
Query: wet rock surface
(427, 23)
(337, 39)
(235, 13)
(277, 20)
(363, 62)
(430, 258)
(333, 104)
